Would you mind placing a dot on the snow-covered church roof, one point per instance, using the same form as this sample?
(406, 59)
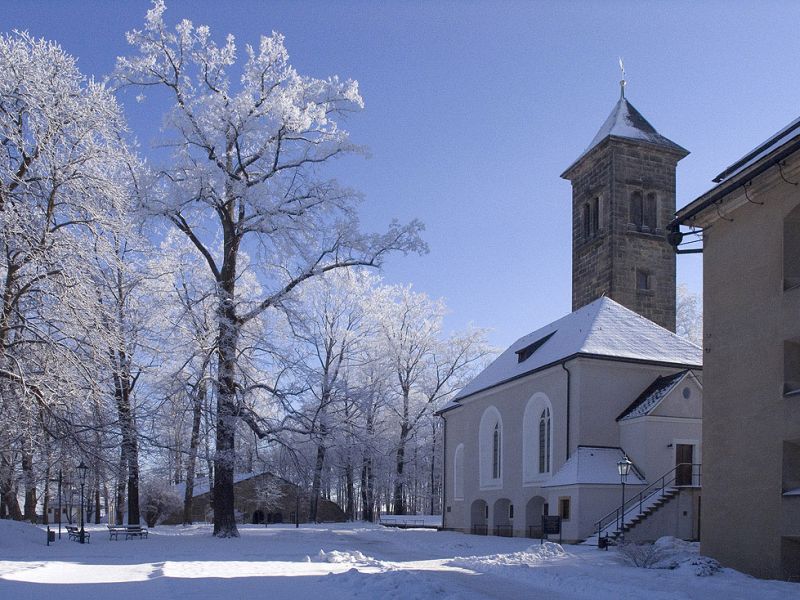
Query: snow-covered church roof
(602, 328)
(593, 465)
(628, 123)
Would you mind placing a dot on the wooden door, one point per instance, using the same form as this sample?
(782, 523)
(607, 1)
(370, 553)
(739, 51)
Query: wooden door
(684, 454)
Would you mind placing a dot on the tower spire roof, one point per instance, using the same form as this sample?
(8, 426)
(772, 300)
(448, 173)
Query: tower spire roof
(626, 122)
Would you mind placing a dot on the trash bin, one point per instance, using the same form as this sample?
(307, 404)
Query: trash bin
(602, 543)
(51, 536)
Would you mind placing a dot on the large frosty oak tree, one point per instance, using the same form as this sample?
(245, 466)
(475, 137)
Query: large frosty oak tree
(248, 173)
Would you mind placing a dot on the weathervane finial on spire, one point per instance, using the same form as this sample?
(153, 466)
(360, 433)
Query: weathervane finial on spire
(622, 81)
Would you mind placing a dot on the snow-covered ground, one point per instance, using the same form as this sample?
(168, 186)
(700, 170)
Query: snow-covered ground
(329, 562)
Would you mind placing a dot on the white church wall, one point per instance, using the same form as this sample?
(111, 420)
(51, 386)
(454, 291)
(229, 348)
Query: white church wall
(605, 389)
(650, 442)
(464, 427)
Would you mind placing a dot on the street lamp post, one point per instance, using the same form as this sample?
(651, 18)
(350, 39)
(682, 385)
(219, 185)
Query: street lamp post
(623, 467)
(82, 469)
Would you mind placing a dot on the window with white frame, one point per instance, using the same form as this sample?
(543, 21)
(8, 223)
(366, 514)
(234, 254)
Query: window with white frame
(496, 452)
(537, 439)
(490, 444)
(458, 473)
(544, 441)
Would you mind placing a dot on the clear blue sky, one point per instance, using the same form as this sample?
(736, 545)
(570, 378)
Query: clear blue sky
(473, 109)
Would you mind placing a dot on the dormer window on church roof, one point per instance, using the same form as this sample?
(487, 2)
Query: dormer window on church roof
(527, 351)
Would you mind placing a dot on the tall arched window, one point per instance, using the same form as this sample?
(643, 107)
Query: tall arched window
(636, 209)
(650, 211)
(458, 473)
(537, 439)
(587, 221)
(496, 452)
(490, 448)
(544, 441)
(591, 218)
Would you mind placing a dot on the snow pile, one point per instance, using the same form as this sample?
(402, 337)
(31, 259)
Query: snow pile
(533, 555)
(670, 553)
(15, 534)
(342, 556)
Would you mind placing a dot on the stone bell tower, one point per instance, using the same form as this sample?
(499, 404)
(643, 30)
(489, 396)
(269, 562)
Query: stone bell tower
(623, 197)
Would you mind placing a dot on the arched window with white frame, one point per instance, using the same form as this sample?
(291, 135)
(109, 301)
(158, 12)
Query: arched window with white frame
(544, 441)
(537, 439)
(490, 444)
(458, 473)
(496, 452)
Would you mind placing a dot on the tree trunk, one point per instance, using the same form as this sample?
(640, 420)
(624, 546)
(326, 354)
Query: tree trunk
(225, 457)
(122, 475)
(30, 483)
(46, 499)
(316, 482)
(97, 501)
(399, 482)
(194, 442)
(349, 492)
(8, 489)
(130, 442)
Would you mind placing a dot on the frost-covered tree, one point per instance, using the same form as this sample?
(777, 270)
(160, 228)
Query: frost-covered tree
(427, 367)
(251, 141)
(331, 330)
(63, 170)
(689, 315)
(184, 334)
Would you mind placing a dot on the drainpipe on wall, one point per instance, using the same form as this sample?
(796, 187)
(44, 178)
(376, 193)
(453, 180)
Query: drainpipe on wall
(569, 379)
(444, 471)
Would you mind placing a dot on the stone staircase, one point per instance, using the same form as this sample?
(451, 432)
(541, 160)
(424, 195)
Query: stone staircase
(635, 513)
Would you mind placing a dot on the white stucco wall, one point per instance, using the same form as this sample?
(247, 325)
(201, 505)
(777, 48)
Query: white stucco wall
(600, 391)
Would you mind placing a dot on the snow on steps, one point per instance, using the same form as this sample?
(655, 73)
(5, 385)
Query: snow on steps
(633, 515)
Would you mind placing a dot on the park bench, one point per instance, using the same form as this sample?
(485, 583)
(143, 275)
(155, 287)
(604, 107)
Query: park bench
(129, 531)
(74, 533)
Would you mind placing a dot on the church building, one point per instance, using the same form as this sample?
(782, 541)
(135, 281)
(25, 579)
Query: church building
(542, 429)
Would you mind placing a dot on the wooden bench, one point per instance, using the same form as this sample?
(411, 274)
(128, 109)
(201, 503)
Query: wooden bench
(74, 533)
(129, 531)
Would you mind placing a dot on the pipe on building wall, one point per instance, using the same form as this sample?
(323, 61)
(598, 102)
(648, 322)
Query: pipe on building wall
(444, 471)
(569, 387)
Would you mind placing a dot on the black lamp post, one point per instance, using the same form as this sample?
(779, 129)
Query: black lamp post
(60, 482)
(623, 467)
(82, 469)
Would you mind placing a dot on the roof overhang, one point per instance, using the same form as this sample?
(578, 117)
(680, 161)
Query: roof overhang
(622, 359)
(769, 154)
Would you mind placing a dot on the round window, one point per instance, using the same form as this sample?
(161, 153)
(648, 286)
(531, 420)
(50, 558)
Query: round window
(687, 392)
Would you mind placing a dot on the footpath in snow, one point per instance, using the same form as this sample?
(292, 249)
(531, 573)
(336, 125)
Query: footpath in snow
(333, 562)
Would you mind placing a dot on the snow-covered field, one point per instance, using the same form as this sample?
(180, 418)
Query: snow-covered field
(329, 562)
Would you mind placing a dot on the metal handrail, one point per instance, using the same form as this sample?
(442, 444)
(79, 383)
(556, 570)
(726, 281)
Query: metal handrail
(662, 482)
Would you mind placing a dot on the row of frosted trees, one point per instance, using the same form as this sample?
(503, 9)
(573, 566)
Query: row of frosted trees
(212, 313)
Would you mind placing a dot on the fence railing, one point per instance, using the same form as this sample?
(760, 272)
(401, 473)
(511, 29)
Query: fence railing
(535, 531)
(480, 529)
(683, 474)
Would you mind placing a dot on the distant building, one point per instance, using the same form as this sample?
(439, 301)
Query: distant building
(750, 226)
(260, 498)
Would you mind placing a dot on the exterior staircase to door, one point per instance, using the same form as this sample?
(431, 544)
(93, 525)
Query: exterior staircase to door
(645, 503)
